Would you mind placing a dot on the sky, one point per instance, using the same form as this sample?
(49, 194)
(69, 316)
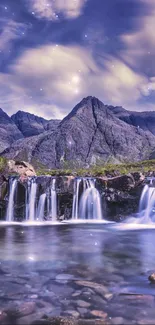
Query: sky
(55, 52)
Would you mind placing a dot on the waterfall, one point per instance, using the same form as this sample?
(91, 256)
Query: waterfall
(89, 205)
(31, 200)
(147, 203)
(41, 207)
(53, 211)
(76, 199)
(12, 189)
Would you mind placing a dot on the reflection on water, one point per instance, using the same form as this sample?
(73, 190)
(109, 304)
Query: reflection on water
(101, 253)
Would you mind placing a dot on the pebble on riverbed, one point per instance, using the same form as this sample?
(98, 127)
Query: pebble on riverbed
(152, 278)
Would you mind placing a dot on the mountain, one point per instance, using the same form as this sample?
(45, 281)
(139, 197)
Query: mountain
(31, 125)
(90, 133)
(143, 120)
(8, 131)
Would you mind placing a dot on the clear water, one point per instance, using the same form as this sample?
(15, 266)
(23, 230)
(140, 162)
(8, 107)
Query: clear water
(47, 264)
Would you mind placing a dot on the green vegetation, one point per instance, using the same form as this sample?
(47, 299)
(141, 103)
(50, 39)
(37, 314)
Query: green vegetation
(3, 162)
(107, 169)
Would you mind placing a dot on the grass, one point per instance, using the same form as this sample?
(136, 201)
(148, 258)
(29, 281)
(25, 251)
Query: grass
(3, 162)
(96, 171)
(110, 169)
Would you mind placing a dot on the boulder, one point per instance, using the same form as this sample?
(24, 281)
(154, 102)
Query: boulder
(21, 168)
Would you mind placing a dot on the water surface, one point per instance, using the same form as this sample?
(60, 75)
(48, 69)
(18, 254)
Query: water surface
(76, 269)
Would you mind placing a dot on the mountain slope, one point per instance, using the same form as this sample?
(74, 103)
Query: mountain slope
(90, 133)
(31, 125)
(143, 120)
(8, 131)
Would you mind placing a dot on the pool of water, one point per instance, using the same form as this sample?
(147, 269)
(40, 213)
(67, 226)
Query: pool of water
(82, 270)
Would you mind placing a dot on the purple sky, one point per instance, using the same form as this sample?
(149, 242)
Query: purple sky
(54, 53)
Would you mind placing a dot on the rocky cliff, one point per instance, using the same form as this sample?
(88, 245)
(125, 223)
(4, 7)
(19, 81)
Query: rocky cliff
(30, 125)
(142, 120)
(8, 131)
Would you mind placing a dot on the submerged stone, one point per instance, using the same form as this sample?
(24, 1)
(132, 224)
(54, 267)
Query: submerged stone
(152, 278)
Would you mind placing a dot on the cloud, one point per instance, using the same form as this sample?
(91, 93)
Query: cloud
(11, 31)
(139, 46)
(121, 84)
(51, 9)
(50, 80)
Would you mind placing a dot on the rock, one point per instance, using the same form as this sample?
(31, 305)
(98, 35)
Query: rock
(99, 313)
(83, 304)
(22, 168)
(8, 131)
(122, 182)
(117, 320)
(69, 321)
(93, 285)
(3, 317)
(76, 293)
(82, 311)
(64, 276)
(27, 308)
(142, 120)
(34, 296)
(108, 296)
(138, 299)
(30, 125)
(152, 278)
(3, 190)
(73, 313)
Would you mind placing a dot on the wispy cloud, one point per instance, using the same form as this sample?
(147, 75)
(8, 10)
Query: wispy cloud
(139, 46)
(10, 31)
(51, 9)
(51, 79)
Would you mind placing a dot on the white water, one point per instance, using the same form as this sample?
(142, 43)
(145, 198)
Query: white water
(31, 200)
(76, 199)
(88, 207)
(147, 204)
(90, 202)
(41, 207)
(36, 212)
(53, 200)
(10, 208)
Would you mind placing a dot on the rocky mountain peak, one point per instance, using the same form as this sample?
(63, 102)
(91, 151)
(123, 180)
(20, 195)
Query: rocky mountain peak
(30, 124)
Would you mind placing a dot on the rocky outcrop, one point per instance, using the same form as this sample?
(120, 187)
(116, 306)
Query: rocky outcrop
(90, 134)
(21, 168)
(16, 168)
(8, 131)
(142, 120)
(30, 124)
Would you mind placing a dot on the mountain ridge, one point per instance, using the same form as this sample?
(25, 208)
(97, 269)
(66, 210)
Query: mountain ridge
(91, 133)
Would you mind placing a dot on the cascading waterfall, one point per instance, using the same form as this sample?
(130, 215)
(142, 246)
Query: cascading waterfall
(89, 205)
(10, 209)
(147, 204)
(31, 200)
(36, 212)
(86, 200)
(41, 207)
(53, 200)
(76, 199)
